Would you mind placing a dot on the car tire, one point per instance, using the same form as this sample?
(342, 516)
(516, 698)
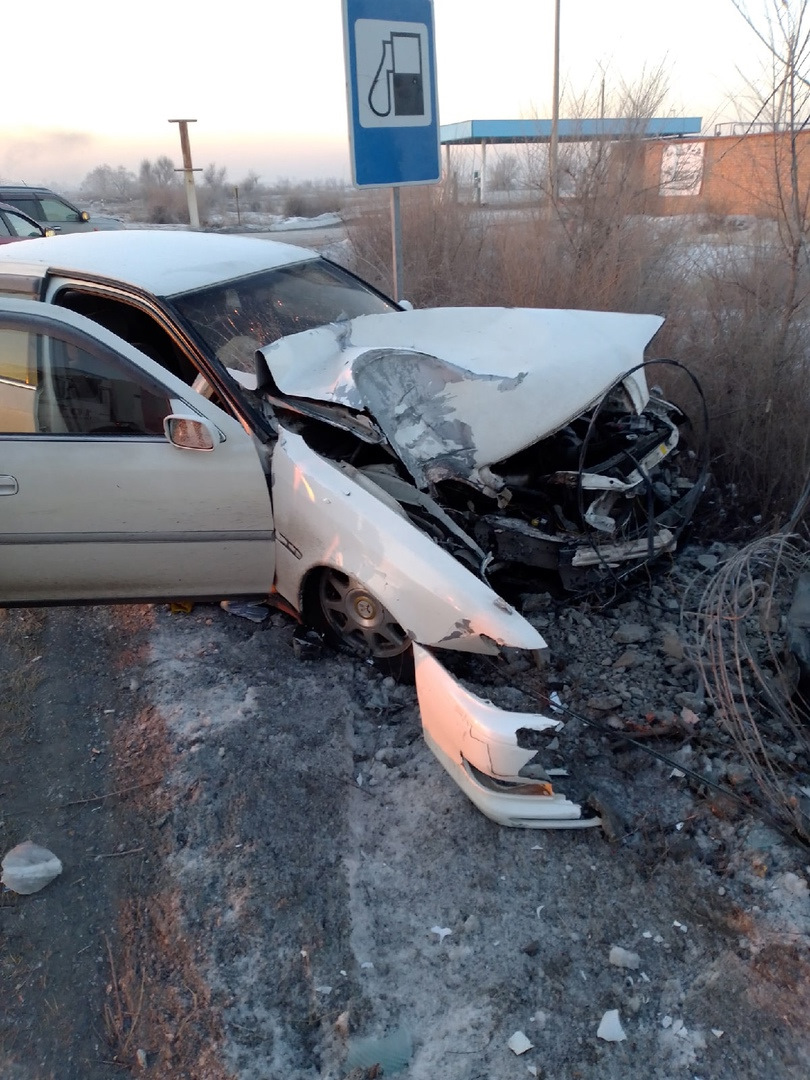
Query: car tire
(352, 619)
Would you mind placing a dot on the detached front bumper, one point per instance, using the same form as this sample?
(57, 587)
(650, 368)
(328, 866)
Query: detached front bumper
(478, 745)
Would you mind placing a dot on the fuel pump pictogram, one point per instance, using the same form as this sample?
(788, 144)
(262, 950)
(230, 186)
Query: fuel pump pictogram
(398, 85)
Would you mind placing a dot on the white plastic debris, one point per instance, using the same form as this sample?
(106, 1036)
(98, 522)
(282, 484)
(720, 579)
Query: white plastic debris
(519, 1044)
(392, 1052)
(27, 868)
(442, 931)
(610, 1027)
(555, 702)
(666, 1021)
(623, 958)
(717, 1032)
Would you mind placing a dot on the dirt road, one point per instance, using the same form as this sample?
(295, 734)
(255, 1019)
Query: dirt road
(264, 865)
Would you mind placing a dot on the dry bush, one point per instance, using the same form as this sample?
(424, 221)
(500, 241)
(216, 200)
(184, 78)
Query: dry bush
(751, 350)
(163, 205)
(442, 247)
(580, 258)
(307, 200)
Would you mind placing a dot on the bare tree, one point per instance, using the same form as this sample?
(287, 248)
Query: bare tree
(105, 182)
(161, 173)
(505, 172)
(782, 99)
(214, 177)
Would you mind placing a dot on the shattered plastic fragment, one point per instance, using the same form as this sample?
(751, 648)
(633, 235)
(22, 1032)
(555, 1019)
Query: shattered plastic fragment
(689, 718)
(27, 868)
(442, 931)
(392, 1052)
(245, 609)
(519, 1044)
(610, 1028)
(623, 958)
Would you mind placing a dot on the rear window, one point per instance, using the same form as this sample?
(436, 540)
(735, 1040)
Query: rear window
(28, 204)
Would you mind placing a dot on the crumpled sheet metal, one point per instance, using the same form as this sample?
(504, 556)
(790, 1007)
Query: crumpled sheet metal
(457, 389)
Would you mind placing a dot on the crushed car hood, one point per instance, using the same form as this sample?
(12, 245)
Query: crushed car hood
(457, 389)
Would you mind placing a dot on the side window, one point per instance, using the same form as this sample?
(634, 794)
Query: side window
(57, 386)
(55, 210)
(20, 226)
(28, 206)
(4, 229)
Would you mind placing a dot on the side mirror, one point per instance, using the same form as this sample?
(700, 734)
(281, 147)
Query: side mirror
(48, 232)
(83, 215)
(189, 432)
(406, 305)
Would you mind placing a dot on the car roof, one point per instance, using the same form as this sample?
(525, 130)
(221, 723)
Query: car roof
(160, 261)
(22, 189)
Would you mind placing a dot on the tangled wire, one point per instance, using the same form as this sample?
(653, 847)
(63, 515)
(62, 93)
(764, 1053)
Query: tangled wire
(758, 687)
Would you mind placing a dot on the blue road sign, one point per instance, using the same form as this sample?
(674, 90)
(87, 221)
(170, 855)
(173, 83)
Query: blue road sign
(391, 86)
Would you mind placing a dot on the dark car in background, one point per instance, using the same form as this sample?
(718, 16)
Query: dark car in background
(53, 211)
(15, 225)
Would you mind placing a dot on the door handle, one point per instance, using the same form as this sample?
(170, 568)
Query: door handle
(8, 485)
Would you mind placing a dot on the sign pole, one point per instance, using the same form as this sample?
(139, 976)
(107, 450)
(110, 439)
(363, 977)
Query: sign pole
(396, 243)
(392, 103)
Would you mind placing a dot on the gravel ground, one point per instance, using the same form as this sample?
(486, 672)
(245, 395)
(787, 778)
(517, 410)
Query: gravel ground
(298, 875)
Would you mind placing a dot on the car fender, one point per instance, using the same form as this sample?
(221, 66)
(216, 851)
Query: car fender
(325, 519)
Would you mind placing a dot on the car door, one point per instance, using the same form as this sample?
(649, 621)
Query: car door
(95, 502)
(55, 213)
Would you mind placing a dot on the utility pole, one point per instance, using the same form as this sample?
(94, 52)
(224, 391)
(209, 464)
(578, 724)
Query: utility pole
(555, 109)
(188, 172)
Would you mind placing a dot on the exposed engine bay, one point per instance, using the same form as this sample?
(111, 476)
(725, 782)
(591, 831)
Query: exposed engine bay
(563, 464)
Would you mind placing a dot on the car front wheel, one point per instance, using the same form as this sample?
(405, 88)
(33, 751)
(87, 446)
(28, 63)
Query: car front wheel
(352, 617)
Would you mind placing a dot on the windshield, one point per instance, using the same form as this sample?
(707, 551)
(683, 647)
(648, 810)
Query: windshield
(235, 318)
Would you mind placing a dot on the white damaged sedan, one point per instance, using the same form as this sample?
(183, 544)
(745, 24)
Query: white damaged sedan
(200, 417)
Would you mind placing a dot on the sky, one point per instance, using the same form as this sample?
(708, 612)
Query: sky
(265, 79)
